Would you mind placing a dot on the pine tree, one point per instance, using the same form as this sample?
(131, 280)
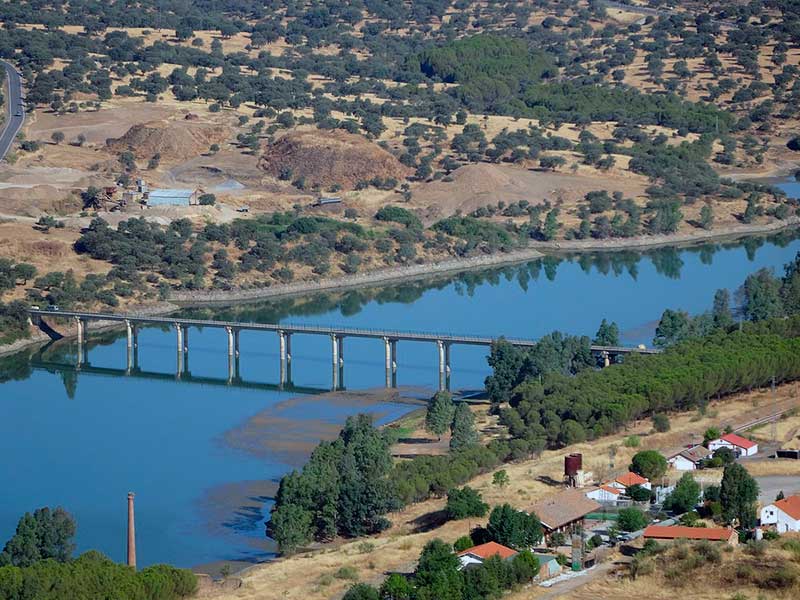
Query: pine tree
(463, 428)
(607, 334)
(440, 414)
(721, 312)
(738, 494)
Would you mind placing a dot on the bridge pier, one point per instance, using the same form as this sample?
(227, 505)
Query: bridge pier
(179, 337)
(340, 349)
(442, 364)
(179, 363)
(229, 331)
(186, 338)
(236, 333)
(80, 324)
(390, 347)
(606, 358)
(335, 345)
(129, 331)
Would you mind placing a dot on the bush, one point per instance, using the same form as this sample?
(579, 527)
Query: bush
(464, 503)
(661, 423)
(346, 573)
(207, 200)
(361, 591)
(398, 215)
(631, 519)
(463, 543)
(632, 441)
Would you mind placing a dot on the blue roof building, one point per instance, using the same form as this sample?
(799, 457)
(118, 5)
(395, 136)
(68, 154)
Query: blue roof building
(166, 197)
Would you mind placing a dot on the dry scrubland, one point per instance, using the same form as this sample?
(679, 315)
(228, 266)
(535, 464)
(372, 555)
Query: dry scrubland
(312, 575)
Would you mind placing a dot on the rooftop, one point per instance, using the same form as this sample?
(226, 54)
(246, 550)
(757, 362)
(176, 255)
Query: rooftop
(695, 454)
(790, 505)
(488, 550)
(674, 532)
(738, 440)
(563, 508)
(171, 193)
(629, 479)
(611, 490)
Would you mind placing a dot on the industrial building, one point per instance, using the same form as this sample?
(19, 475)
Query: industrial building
(171, 197)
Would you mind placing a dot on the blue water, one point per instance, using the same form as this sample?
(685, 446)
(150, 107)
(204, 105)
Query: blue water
(84, 440)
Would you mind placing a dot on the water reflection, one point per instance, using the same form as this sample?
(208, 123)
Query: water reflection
(668, 262)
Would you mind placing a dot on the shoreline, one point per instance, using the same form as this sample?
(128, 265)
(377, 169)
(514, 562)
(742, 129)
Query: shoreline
(533, 251)
(389, 275)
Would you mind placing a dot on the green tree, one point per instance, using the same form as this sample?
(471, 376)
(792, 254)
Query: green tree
(673, 328)
(525, 566)
(721, 311)
(463, 543)
(790, 286)
(712, 433)
(685, 496)
(631, 519)
(637, 493)
(463, 429)
(514, 528)
(500, 478)
(464, 503)
(361, 591)
(437, 576)
(396, 587)
(650, 464)
(660, 422)
(439, 415)
(607, 334)
(24, 271)
(551, 225)
(39, 536)
(291, 527)
(207, 200)
(706, 216)
(57, 137)
(738, 494)
(761, 296)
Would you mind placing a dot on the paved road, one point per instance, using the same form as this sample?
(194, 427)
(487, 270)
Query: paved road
(15, 113)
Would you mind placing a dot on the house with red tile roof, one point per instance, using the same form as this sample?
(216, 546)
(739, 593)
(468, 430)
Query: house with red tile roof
(784, 514)
(630, 479)
(681, 532)
(604, 494)
(477, 554)
(741, 446)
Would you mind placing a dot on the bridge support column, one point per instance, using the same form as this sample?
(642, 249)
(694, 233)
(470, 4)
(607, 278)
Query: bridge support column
(81, 330)
(179, 337)
(606, 358)
(283, 352)
(186, 338)
(442, 377)
(387, 343)
(335, 345)
(236, 333)
(288, 347)
(340, 349)
(129, 331)
(229, 330)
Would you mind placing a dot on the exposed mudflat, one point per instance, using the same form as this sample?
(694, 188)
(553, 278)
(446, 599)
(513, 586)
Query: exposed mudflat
(278, 434)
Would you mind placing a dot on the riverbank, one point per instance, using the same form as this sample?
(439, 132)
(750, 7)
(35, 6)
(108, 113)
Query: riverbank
(533, 251)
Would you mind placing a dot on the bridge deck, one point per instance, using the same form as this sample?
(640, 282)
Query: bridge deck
(415, 336)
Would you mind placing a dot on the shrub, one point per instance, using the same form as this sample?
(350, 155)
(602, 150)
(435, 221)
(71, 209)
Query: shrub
(632, 441)
(346, 573)
(631, 519)
(361, 591)
(464, 503)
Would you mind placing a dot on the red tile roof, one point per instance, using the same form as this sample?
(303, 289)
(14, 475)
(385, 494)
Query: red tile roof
(630, 479)
(673, 532)
(790, 505)
(611, 490)
(488, 550)
(738, 440)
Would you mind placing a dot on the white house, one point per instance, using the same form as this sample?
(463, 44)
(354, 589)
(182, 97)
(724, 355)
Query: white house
(689, 459)
(784, 514)
(605, 494)
(630, 479)
(741, 446)
(477, 554)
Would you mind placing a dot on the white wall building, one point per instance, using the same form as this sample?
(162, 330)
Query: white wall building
(605, 494)
(784, 514)
(741, 446)
(689, 459)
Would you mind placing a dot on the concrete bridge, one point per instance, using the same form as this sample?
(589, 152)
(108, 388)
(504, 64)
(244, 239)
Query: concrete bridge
(337, 335)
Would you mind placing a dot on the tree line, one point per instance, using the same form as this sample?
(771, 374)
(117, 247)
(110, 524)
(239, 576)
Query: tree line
(37, 563)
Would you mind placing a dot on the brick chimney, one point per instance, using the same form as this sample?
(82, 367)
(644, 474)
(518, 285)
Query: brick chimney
(131, 533)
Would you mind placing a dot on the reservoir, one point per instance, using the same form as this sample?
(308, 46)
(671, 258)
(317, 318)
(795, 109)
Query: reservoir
(203, 455)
